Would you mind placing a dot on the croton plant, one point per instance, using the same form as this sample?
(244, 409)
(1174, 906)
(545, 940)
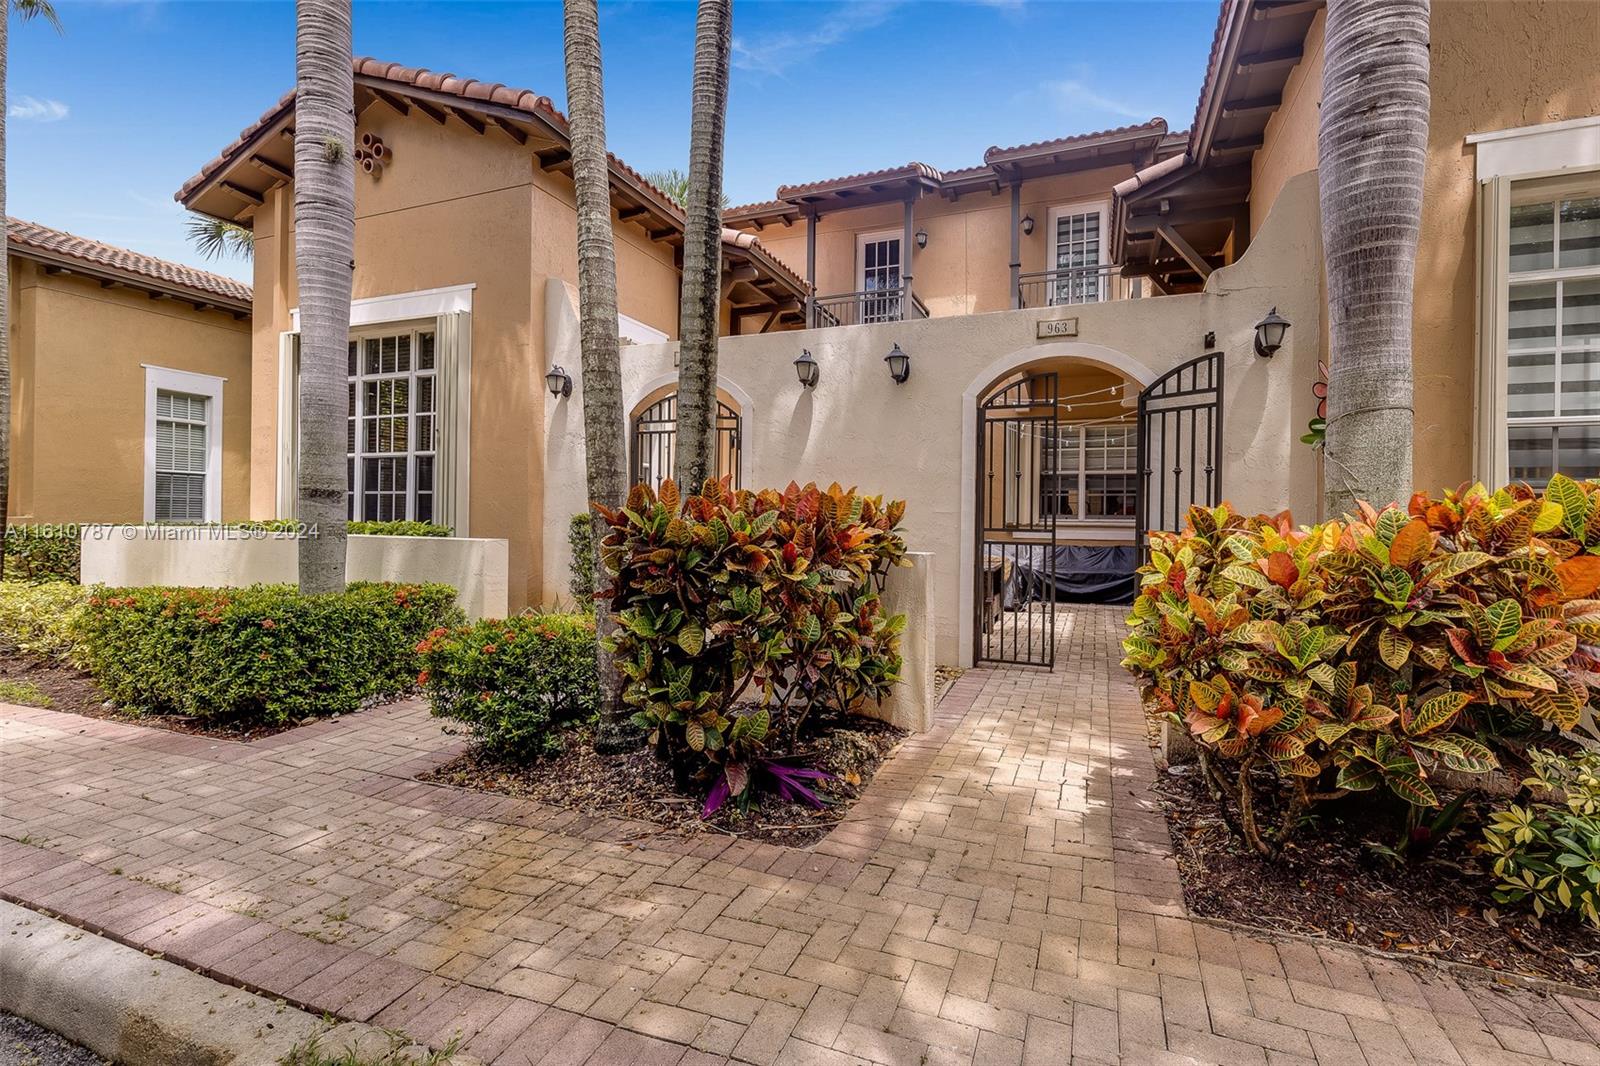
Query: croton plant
(739, 611)
(1366, 653)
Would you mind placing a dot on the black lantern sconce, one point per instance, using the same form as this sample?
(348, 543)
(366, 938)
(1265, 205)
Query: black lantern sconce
(1269, 334)
(559, 382)
(806, 369)
(1027, 225)
(922, 238)
(899, 364)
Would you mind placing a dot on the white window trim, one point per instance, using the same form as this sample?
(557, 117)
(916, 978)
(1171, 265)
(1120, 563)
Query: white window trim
(864, 239)
(164, 379)
(402, 306)
(1526, 150)
(1082, 207)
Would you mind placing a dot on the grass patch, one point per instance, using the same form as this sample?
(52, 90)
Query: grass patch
(23, 692)
(400, 1052)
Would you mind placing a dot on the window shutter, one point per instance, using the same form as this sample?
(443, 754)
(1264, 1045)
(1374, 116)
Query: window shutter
(288, 423)
(1494, 223)
(453, 475)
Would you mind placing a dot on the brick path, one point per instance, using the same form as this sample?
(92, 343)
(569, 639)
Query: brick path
(1004, 894)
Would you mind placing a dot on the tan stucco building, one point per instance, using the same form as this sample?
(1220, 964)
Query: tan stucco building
(130, 385)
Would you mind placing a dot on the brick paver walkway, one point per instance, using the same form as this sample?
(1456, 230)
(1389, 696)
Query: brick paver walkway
(1004, 894)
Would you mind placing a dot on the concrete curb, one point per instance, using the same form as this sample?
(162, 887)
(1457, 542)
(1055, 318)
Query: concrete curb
(137, 1010)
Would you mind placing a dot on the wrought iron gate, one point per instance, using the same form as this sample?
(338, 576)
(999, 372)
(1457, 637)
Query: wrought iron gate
(655, 442)
(1180, 446)
(1020, 494)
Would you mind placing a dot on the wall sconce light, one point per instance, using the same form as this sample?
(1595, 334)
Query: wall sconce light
(899, 364)
(806, 369)
(922, 238)
(1269, 334)
(559, 382)
(1027, 225)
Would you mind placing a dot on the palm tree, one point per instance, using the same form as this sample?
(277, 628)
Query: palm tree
(215, 238)
(601, 359)
(324, 244)
(26, 11)
(1371, 146)
(698, 319)
(675, 183)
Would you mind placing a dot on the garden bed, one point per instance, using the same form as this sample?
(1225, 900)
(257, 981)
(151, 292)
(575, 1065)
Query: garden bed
(1331, 883)
(639, 786)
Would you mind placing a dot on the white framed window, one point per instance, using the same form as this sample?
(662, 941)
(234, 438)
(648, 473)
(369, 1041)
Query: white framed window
(182, 446)
(1078, 254)
(392, 430)
(1094, 477)
(878, 270)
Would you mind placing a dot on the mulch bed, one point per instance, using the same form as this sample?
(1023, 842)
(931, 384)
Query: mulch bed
(71, 690)
(639, 786)
(1329, 883)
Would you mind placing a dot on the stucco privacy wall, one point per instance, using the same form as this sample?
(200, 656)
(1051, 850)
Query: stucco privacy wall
(125, 556)
(916, 441)
(79, 350)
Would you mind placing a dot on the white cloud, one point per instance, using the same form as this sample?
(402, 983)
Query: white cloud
(776, 53)
(1075, 94)
(33, 109)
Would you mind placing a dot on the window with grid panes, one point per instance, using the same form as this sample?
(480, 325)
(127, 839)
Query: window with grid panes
(182, 452)
(1077, 251)
(1094, 475)
(1553, 331)
(391, 439)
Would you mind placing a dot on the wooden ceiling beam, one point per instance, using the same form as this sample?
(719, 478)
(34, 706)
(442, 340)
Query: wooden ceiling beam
(510, 129)
(1275, 10)
(396, 103)
(1237, 146)
(469, 120)
(663, 234)
(628, 214)
(249, 196)
(1184, 249)
(550, 158)
(435, 113)
(267, 166)
(1272, 59)
(1254, 105)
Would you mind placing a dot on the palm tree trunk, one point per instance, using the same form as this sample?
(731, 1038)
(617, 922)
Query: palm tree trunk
(324, 235)
(601, 374)
(5, 307)
(702, 247)
(1372, 149)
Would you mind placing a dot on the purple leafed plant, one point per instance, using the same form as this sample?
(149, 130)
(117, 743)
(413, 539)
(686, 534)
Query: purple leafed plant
(773, 775)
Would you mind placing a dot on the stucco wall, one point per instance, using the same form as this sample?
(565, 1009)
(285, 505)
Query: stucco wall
(1289, 143)
(966, 267)
(78, 421)
(913, 440)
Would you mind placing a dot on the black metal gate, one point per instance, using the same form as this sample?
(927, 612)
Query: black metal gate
(655, 442)
(1020, 494)
(1180, 446)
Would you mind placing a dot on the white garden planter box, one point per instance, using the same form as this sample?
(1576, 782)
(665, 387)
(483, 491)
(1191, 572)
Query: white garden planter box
(213, 557)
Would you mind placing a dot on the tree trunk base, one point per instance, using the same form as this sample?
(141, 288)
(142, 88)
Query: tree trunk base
(617, 738)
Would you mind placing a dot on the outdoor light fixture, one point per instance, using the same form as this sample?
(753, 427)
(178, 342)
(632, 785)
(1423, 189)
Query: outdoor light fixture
(922, 238)
(899, 364)
(1269, 334)
(1027, 225)
(559, 382)
(806, 369)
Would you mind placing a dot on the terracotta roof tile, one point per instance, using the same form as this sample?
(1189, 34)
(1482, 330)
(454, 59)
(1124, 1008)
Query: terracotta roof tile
(907, 170)
(1156, 125)
(23, 236)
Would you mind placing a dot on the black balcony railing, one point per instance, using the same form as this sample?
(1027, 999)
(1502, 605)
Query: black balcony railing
(1068, 285)
(871, 305)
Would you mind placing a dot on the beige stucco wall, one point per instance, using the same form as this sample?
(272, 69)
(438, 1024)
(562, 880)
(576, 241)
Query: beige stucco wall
(456, 208)
(913, 441)
(966, 268)
(1494, 66)
(78, 408)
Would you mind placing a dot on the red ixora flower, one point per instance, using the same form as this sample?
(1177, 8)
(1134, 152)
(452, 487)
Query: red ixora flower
(267, 623)
(422, 678)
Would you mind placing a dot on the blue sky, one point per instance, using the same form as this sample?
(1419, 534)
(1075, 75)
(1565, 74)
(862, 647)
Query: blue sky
(108, 118)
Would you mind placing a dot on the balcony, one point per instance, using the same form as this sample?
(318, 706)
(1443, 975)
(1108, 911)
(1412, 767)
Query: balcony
(1071, 285)
(870, 305)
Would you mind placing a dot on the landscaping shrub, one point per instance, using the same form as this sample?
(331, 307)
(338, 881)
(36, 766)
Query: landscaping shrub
(1547, 854)
(42, 553)
(376, 529)
(769, 595)
(1362, 654)
(38, 619)
(580, 538)
(264, 654)
(518, 683)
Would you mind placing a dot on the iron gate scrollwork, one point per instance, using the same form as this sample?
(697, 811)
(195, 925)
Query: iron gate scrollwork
(1020, 495)
(655, 442)
(1179, 446)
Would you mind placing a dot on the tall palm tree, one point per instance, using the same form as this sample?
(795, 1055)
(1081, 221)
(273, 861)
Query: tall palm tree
(1372, 147)
(25, 10)
(601, 359)
(216, 238)
(324, 246)
(675, 183)
(698, 319)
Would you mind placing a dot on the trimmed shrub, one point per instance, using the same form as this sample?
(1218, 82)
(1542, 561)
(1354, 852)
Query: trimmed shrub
(1547, 854)
(42, 553)
(262, 654)
(1361, 654)
(580, 538)
(518, 683)
(375, 529)
(38, 619)
(766, 594)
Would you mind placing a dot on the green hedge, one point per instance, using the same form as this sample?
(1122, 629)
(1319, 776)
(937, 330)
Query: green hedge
(262, 654)
(38, 618)
(518, 683)
(41, 553)
(373, 529)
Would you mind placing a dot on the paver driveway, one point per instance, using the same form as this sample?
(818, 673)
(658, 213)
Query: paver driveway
(1004, 894)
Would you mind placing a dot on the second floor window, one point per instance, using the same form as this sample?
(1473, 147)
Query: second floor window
(391, 438)
(1075, 255)
(880, 273)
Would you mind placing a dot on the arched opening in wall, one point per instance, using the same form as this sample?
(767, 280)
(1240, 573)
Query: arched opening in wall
(653, 442)
(1056, 496)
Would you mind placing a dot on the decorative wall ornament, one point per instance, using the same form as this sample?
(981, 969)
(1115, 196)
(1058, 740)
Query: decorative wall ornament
(372, 154)
(1318, 426)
